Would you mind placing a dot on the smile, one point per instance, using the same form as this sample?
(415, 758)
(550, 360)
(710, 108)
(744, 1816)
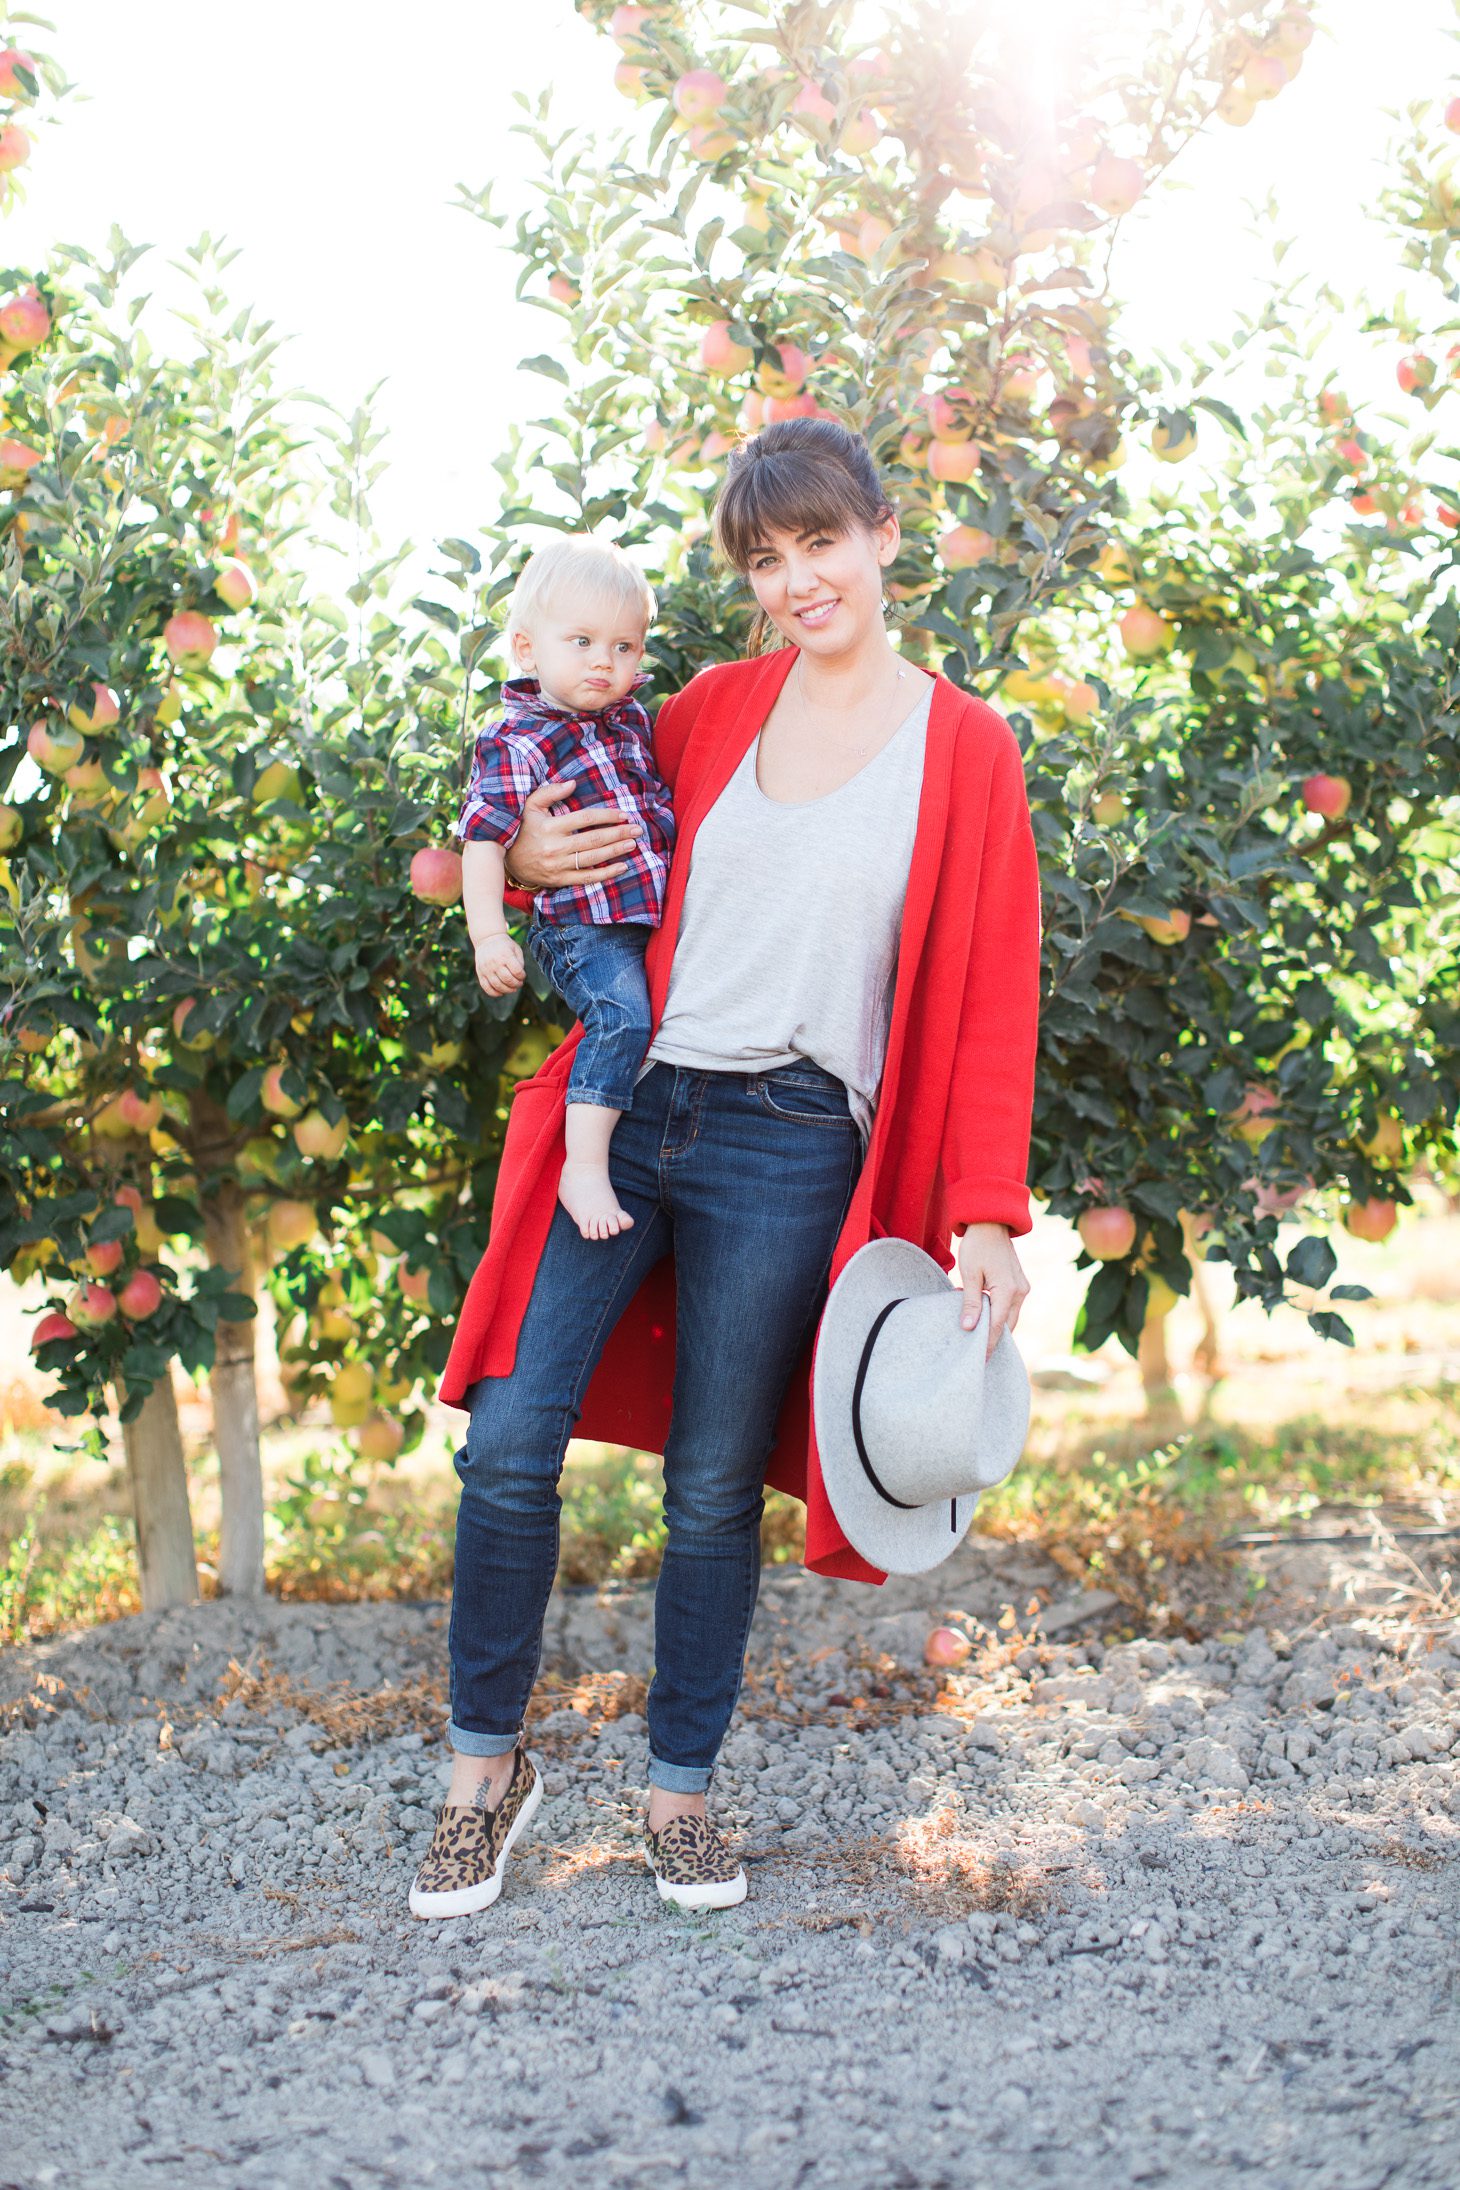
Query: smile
(817, 614)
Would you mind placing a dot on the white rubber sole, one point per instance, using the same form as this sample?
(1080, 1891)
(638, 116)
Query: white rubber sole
(466, 1900)
(725, 1893)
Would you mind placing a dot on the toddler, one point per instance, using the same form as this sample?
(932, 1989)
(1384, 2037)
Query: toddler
(576, 631)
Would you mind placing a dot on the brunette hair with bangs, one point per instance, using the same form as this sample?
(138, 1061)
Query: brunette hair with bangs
(798, 475)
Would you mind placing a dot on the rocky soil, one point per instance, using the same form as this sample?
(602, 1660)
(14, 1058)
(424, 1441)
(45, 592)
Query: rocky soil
(1083, 1914)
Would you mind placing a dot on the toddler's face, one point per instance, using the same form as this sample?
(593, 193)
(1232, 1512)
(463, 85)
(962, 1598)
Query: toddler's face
(586, 661)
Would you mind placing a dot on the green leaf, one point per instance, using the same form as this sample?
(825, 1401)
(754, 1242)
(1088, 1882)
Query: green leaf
(1312, 1262)
(548, 366)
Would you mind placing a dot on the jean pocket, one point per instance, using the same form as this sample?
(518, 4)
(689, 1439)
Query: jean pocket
(804, 1098)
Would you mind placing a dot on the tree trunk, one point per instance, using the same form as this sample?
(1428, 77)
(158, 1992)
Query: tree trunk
(166, 1562)
(236, 1403)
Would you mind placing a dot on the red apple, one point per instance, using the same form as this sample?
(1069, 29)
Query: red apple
(17, 461)
(812, 106)
(314, 1136)
(379, 1437)
(436, 875)
(709, 141)
(180, 1016)
(1256, 1114)
(272, 1096)
(954, 460)
(950, 413)
(966, 545)
(98, 714)
(1116, 184)
(14, 147)
(1170, 446)
(1452, 116)
(236, 584)
(1144, 633)
(1263, 75)
(946, 1646)
(141, 1296)
(189, 638)
(778, 407)
(1270, 1202)
(1327, 795)
(137, 1112)
(290, 1224)
(699, 94)
(789, 376)
(91, 1306)
(102, 1257)
(1107, 1233)
(12, 84)
(1174, 928)
(53, 747)
(862, 134)
(625, 24)
(12, 827)
(25, 321)
(1363, 504)
(720, 352)
(1352, 454)
(1415, 371)
(415, 1284)
(51, 1326)
(145, 1229)
(1372, 1220)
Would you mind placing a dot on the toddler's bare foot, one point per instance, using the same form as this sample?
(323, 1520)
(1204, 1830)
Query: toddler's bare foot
(585, 1192)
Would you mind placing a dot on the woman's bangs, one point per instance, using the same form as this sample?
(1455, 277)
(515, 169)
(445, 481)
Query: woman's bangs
(789, 493)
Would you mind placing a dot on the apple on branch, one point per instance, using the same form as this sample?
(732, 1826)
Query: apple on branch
(436, 875)
(189, 638)
(1327, 795)
(1108, 1232)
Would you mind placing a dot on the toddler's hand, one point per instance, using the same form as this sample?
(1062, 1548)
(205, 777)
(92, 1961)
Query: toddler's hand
(499, 965)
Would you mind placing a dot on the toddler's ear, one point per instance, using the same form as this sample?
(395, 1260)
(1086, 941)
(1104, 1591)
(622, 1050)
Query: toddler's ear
(520, 648)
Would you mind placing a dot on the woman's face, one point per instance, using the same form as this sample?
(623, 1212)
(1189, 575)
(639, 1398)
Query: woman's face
(823, 590)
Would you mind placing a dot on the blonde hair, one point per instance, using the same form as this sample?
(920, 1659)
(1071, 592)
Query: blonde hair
(578, 567)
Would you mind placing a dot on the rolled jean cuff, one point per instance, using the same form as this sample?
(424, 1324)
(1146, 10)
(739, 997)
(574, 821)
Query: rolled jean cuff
(680, 1779)
(467, 1744)
(601, 1098)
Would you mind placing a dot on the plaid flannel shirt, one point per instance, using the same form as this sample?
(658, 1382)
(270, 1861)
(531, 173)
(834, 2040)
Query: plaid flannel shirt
(610, 758)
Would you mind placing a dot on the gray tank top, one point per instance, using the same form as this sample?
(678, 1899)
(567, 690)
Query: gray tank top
(792, 915)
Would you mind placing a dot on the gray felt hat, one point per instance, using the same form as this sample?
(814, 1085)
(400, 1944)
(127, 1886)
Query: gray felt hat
(912, 1422)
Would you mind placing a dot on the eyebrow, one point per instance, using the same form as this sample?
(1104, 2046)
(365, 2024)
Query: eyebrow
(811, 533)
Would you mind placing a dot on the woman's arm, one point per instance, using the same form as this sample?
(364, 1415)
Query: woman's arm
(592, 844)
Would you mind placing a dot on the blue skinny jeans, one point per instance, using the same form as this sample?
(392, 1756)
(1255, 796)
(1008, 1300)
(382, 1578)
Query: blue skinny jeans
(747, 1177)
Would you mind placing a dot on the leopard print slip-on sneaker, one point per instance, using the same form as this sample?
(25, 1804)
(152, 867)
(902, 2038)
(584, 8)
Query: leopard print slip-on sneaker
(692, 1865)
(470, 1846)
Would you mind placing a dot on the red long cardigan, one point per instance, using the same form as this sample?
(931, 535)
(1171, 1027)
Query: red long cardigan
(950, 1140)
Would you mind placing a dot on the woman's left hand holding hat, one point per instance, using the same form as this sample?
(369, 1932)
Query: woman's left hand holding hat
(988, 1264)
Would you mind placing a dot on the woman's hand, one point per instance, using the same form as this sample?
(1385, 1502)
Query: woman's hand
(551, 851)
(987, 1263)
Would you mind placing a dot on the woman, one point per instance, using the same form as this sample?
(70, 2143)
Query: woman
(841, 817)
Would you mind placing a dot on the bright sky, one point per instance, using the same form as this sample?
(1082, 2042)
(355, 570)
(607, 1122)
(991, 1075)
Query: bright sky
(326, 139)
